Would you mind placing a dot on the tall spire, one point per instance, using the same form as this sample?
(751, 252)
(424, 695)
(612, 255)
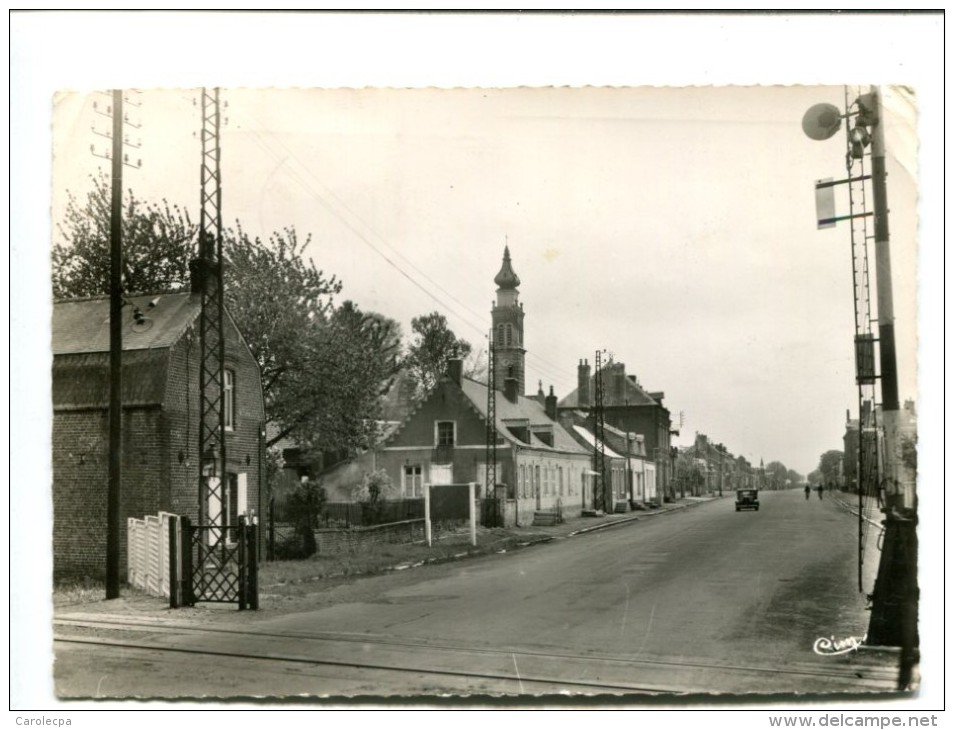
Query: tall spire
(507, 277)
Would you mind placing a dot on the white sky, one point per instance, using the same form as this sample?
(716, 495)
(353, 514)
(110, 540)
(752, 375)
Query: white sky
(674, 228)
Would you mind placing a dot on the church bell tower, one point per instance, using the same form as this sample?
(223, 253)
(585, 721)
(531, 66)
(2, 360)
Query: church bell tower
(507, 318)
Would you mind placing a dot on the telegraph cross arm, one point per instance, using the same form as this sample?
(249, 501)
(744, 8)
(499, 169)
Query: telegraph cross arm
(825, 201)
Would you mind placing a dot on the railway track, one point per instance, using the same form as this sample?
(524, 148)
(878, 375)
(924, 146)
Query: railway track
(523, 670)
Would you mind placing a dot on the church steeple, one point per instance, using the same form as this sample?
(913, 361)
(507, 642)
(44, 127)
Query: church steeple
(507, 277)
(507, 318)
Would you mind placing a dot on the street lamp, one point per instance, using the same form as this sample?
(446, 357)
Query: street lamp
(895, 597)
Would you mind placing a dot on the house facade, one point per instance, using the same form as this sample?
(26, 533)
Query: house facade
(538, 465)
(160, 420)
(630, 476)
(628, 408)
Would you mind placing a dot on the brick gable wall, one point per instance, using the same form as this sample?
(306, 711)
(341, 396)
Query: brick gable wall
(160, 465)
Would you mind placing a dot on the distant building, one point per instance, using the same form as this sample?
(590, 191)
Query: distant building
(160, 420)
(630, 409)
(631, 474)
(539, 466)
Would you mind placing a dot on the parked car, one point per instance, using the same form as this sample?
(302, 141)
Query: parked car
(746, 499)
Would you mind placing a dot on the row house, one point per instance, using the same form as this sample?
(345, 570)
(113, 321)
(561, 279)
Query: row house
(628, 408)
(630, 473)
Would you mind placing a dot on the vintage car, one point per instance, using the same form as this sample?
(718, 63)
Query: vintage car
(746, 499)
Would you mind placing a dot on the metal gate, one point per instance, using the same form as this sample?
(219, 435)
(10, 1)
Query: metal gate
(217, 564)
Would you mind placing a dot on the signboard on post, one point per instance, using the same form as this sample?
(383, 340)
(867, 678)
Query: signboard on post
(450, 502)
(825, 203)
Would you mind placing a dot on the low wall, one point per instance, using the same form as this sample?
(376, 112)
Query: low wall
(333, 541)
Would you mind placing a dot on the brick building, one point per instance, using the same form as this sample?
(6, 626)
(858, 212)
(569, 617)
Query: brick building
(160, 407)
(443, 440)
(630, 473)
(630, 409)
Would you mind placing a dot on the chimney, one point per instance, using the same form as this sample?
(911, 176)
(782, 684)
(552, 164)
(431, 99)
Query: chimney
(583, 384)
(551, 405)
(455, 369)
(511, 386)
(619, 383)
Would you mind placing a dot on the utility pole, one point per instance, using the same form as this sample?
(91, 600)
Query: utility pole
(490, 476)
(894, 611)
(114, 487)
(894, 601)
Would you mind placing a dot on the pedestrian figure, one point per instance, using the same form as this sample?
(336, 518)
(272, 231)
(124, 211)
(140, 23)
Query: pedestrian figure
(821, 491)
(808, 491)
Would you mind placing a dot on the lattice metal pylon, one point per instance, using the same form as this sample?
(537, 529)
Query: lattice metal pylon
(867, 457)
(491, 456)
(599, 432)
(212, 456)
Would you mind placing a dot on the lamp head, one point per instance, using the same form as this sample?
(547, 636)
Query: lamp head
(821, 121)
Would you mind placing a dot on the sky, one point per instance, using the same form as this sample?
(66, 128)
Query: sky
(674, 228)
(648, 173)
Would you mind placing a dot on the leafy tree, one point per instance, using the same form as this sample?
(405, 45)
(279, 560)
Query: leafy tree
(323, 369)
(157, 244)
(434, 343)
(375, 489)
(830, 465)
(305, 506)
(776, 473)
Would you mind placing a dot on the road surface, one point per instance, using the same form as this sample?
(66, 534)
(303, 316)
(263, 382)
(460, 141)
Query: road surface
(701, 601)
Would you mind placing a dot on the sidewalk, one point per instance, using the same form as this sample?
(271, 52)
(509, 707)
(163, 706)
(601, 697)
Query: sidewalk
(577, 524)
(849, 502)
(282, 583)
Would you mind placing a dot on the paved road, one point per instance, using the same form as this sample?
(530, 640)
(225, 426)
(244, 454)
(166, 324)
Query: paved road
(705, 600)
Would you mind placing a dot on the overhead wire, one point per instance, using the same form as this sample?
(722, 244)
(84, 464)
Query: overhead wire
(542, 365)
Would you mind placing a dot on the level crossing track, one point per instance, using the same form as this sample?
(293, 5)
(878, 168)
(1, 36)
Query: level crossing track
(524, 670)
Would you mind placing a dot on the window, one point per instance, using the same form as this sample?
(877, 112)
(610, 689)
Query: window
(509, 335)
(412, 484)
(560, 479)
(228, 398)
(445, 433)
(523, 480)
(500, 336)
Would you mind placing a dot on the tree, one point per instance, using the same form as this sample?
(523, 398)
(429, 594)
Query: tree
(830, 466)
(375, 489)
(434, 343)
(323, 368)
(305, 506)
(157, 244)
(776, 473)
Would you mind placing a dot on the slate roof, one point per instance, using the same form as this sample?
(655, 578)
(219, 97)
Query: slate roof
(80, 344)
(591, 440)
(526, 409)
(82, 325)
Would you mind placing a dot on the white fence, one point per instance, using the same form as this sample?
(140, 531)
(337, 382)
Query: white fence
(148, 553)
